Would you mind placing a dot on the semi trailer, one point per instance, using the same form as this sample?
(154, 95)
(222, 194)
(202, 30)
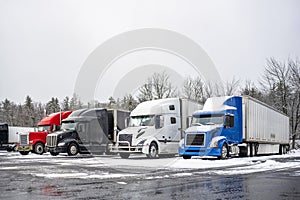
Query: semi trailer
(35, 141)
(235, 126)
(9, 136)
(155, 127)
(87, 131)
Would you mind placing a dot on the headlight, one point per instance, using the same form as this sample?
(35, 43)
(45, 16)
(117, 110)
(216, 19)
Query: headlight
(61, 144)
(141, 143)
(214, 142)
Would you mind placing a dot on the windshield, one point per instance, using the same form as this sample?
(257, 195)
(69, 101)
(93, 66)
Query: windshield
(44, 128)
(145, 120)
(208, 119)
(68, 126)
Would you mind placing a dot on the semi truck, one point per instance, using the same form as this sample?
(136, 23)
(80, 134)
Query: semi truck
(35, 141)
(155, 128)
(235, 126)
(87, 131)
(9, 136)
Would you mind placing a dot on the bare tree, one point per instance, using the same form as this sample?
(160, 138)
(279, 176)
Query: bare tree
(194, 89)
(294, 105)
(276, 83)
(281, 83)
(158, 86)
(231, 87)
(252, 90)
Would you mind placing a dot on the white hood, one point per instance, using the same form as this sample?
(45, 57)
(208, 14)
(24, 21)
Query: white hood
(143, 131)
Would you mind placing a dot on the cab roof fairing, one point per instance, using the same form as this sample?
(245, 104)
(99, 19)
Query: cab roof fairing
(154, 107)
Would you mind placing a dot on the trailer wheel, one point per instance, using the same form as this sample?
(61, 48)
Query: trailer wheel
(153, 150)
(72, 149)
(124, 155)
(39, 148)
(24, 153)
(224, 153)
(186, 157)
(54, 153)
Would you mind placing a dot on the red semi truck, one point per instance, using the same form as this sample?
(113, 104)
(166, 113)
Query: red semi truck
(35, 141)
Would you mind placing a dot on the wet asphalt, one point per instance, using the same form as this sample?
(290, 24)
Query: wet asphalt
(30, 178)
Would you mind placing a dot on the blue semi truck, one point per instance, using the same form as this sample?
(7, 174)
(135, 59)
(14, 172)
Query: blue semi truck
(235, 126)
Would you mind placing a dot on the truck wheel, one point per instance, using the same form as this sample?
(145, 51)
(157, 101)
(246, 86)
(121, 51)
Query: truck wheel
(72, 149)
(8, 149)
(153, 151)
(124, 155)
(224, 153)
(24, 153)
(54, 153)
(15, 148)
(39, 148)
(186, 157)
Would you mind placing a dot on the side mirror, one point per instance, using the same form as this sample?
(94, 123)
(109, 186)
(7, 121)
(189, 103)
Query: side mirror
(159, 121)
(229, 121)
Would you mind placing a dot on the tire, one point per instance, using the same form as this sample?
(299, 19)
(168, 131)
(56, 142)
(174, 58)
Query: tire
(24, 153)
(39, 148)
(54, 153)
(153, 151)
(224, 153)
(186, 157)
(72, 149)
(15, 148)
(124, 155)
(8, 149)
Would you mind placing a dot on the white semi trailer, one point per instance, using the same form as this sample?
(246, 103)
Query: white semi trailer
(155, 127)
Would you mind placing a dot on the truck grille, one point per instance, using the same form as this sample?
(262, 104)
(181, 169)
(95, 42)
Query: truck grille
(125, 137)
(194, 140)
(51, 140)
(24, 139)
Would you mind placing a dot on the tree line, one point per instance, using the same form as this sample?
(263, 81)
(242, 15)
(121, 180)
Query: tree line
(278, 86)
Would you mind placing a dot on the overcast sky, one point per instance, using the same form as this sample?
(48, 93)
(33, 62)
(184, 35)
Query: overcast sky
(43, 44)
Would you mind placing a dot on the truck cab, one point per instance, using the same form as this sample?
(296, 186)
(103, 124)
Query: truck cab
(85, 131)
(155, 127)
(35, 141)
(215, 131)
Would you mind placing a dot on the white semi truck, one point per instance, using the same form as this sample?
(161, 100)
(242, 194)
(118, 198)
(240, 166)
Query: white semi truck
(155, 127)
(9, 136)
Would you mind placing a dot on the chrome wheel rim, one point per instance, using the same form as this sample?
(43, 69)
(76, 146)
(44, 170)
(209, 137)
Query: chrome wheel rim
(73, 150)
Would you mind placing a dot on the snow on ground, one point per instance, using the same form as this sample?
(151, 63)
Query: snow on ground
(178, 167)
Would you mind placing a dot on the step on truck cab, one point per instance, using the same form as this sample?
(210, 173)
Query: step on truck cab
(155, 127)
(87, 131)
(235, 126)
(35, 141)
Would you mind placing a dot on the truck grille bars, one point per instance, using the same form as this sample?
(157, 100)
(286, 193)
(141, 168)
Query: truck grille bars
(24, 139)
(194, 140)
(125, 138)
(51, 140)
